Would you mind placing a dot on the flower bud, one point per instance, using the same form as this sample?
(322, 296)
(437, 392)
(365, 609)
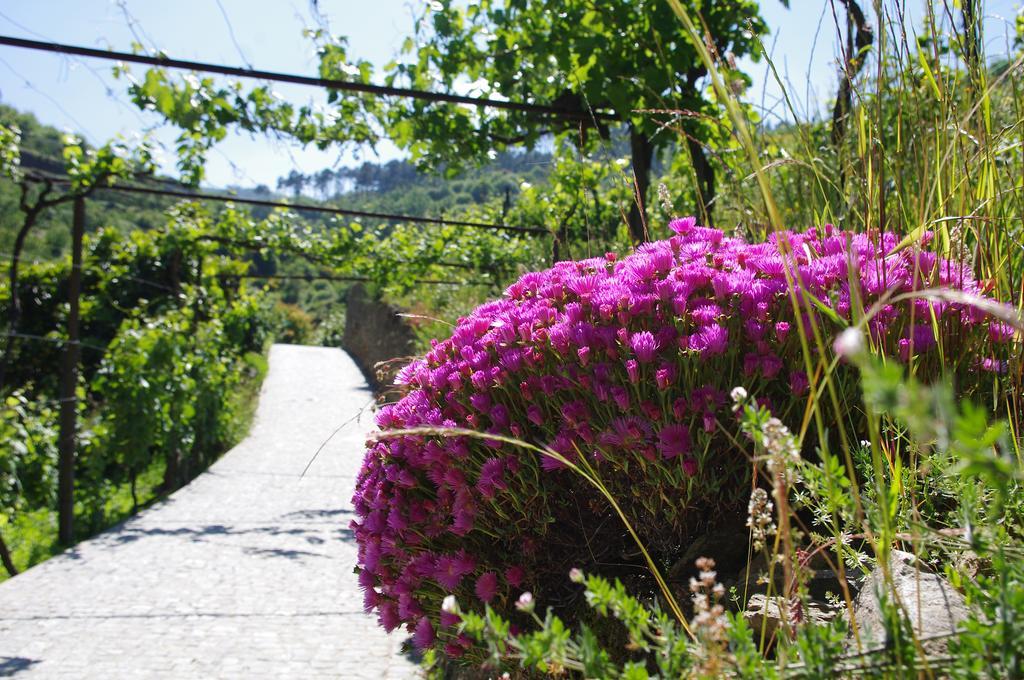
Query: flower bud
(450, 605)
(850, 343)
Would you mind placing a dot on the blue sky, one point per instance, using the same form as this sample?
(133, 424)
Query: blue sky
(81, 95)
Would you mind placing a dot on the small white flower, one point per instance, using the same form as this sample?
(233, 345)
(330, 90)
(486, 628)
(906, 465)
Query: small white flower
(449, 605)
(738, 395)
(525, 602)
(849, 343)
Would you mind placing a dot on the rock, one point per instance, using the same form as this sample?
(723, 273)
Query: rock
(769, 611)
(819, 582)
(753, 578)
(725, 544)
(932, 605)
(824, 582)
(969, 564)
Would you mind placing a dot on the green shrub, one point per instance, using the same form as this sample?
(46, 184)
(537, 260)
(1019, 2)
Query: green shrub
(294, 326)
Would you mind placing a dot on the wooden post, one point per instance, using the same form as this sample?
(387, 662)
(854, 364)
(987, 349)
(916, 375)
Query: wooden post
(68, 440)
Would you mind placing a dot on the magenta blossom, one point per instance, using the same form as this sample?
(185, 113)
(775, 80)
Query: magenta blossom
(644, 346)
(424, 636)
(624, 364)
(673, 441)
(486, 586)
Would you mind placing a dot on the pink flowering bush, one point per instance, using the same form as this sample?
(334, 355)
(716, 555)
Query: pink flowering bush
(625, 364)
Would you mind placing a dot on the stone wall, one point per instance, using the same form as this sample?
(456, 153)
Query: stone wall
(374, 333)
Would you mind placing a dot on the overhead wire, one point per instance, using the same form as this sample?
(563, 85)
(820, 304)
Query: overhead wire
(163, 61)
(324, 209)
(387, 217)
(354, 278)
(148, 282)
(231, 34)
(84, 64)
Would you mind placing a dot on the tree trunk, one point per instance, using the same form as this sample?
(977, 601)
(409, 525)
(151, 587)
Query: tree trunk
(5, 558)
(68, 386)
(560, 242)
(14, 307)
(135, 497)
(859, 35)
(642, 150)
(705, 175)
(171, 471)
(14, 303)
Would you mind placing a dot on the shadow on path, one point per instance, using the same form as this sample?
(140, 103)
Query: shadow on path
(12, 665)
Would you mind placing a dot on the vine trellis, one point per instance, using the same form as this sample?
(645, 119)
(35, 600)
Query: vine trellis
(114, 167)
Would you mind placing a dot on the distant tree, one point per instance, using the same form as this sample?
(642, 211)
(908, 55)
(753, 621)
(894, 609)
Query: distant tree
(322, 181)
(295, 181)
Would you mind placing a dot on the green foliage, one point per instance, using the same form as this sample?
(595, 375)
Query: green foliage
(88, 168)
(330, 331)
(622, 56)
(165, 382)
(626, 58)
(295, 326)
(40, 148)
(28, 455)
(203, 110)
(10, 151)
(167, 372)
(655, 646)
(992, 643)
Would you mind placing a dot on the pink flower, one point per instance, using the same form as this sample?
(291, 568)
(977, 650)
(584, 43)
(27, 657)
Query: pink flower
(534, 415)
(798, 383)
(424, 636)
(710, 340)
(486, 586)
(514, 575)
(633, 370)
(623, 362)
(683, 225)
(644, 346)
(387, 615)
(673, 440)
(1001, 332)
(679, 408)
(450, 569)
(621, 397)
(665, 376)
(770, 365)
(449, 619)
(990, 365)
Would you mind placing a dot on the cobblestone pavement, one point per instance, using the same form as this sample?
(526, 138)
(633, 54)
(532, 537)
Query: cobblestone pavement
(244, 573)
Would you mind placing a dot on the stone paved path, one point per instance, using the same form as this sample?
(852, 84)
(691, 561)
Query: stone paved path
(244, 573)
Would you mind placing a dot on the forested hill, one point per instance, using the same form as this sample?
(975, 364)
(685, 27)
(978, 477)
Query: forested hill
(398, 187)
